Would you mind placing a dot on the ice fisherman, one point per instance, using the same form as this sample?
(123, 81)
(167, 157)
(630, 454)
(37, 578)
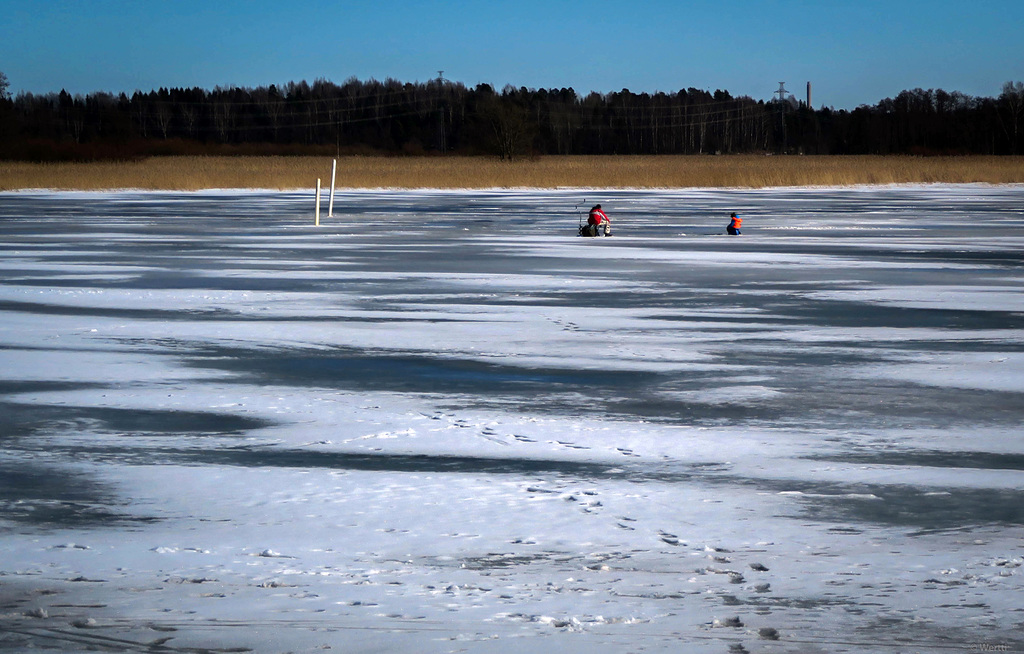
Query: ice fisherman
(734, 224)
(596, 219)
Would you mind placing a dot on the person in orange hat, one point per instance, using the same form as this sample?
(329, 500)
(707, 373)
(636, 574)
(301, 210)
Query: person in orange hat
(734, 224)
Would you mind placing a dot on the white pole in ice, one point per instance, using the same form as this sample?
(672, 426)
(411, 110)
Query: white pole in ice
(330, 206)
(317, 201)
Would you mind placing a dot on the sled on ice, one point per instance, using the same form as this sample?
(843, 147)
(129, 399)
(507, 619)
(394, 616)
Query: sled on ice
(595, 230)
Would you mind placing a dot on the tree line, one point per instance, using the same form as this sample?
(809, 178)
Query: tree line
(441, 116)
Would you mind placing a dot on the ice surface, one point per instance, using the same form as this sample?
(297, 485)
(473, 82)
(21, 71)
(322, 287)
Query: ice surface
(441, 422)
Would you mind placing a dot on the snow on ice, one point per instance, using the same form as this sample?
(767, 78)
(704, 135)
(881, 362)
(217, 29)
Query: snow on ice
(441, 422)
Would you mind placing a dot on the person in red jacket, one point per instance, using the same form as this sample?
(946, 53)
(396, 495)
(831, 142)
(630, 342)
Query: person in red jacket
(734, 224)
(598, 218)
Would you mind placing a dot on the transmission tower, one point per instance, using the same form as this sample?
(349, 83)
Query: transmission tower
(782, 113)
(781, 92)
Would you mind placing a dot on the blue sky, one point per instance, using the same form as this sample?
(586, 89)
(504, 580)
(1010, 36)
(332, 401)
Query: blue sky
(853, 52)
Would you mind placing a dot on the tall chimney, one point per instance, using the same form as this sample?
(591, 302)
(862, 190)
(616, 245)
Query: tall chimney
(808, 95)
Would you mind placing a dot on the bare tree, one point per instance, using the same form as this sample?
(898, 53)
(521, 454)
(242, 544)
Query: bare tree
(703, 118)
(509, 124)
(274, 106)
(1012, 99)
(138, 110)
(223, 112)
(190, 114)
(163, 114)
(4, 85)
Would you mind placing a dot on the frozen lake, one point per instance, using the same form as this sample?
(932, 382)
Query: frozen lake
(441, 422)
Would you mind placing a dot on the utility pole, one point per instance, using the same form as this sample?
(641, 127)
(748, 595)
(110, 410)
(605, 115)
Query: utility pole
(443, 144)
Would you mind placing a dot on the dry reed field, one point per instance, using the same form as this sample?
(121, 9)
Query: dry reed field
(739, 171)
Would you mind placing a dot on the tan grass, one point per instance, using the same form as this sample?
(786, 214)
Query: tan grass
(743, 171)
